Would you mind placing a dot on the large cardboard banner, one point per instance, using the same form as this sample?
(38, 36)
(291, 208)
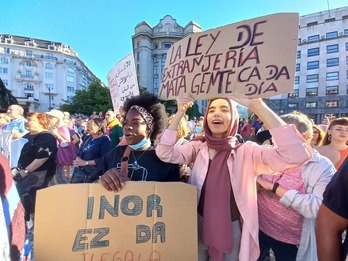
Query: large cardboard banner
(146, 221)
(252, 58)
(123, 83)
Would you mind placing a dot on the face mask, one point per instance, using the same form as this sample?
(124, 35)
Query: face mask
(140, 144)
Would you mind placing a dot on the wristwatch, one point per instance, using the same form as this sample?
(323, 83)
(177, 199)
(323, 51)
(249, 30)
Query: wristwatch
(87, 162)
(26, 171)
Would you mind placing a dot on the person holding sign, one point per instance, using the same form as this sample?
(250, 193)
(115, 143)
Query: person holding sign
(224, 172)
(145, 119)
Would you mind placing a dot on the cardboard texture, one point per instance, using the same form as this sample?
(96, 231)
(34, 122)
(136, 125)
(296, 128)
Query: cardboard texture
(149, 221)
(252, 58)
(123, 83)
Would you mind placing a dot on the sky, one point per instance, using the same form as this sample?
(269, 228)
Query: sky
(101, 31)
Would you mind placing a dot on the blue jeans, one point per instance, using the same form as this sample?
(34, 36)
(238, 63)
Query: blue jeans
(282, 251)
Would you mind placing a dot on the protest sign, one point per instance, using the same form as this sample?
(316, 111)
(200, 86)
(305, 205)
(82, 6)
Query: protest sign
(252, 58)
(123, 81)
(150, 221)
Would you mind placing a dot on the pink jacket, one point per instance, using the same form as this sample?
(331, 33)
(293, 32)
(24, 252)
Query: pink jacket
(245, 163)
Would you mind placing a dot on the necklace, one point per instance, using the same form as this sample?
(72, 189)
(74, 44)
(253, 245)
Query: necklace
(135, 163)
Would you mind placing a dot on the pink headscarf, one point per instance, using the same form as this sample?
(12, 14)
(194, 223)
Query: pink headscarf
(217, 221)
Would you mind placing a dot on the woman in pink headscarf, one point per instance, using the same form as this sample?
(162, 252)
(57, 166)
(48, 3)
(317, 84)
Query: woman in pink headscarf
(224, 173)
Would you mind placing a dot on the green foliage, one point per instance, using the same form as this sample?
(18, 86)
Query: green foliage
(6, 97)
(95, 98)
(193, 111)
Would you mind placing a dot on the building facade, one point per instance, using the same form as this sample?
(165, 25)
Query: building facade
(41, 74)
(150, 47)
(321, 79)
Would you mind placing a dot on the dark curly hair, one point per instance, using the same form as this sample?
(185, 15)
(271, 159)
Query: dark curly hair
(152, 104)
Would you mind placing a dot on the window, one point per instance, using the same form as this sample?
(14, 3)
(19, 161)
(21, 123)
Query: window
(293, 94)
(299, 41)
(312, 65)
(167, 45)
(28, 74)
(138, 69)
(298, 56)
(293, 106)
(345, 31)
(164, 57)
(155, 58)
(49, 75)
(5, 60)
(48, 66)
(331, 104)
(7, 50)
(313, 52)
(332, 48)
(311, 104)
(347, 60)
(28, 87)
(332, 62)
(331, 76)
(297, 67)
(28, 53)
(70, 70)
(155, 86)
(313, 38)
(28, 94)
(312, 78)
(332, 34)
(346, 47)
(155, 70)
(28, 64)
(312, 91)
(138, 56)
(297, 79)
(3, 70)
(70, 89)
(138, 43)
(155, 46)
(331, 90)
(70, 78)
(5, 82)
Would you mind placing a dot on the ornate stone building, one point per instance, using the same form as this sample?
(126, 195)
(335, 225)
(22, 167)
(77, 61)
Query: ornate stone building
(41, 74)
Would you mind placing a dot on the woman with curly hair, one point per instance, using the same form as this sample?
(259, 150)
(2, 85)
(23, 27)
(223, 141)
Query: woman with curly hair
(334, 144)
(145, 118)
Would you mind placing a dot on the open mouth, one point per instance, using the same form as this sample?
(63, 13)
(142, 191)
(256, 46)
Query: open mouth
(217, 122)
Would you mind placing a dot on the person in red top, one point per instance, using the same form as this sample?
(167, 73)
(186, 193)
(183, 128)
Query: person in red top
(247, 130)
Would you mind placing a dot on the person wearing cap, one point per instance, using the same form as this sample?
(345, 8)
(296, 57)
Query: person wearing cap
(62, 134)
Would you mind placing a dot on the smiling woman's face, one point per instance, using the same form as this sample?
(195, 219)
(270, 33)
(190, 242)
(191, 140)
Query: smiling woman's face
(219, 117)
(134, 127)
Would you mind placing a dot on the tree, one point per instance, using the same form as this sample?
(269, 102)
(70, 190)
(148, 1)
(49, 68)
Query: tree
(6, 97)
(95, 98)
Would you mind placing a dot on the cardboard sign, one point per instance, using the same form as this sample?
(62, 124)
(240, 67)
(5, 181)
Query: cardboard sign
(146, 221)
(253, 58)
(123, 83)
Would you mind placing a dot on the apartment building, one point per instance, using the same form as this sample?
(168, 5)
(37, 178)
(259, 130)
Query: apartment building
(41, 74)
(321, 79)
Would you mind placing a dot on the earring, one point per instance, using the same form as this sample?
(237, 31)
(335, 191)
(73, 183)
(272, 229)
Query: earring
(329, 138)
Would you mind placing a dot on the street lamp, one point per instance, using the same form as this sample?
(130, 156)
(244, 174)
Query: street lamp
(49, 97)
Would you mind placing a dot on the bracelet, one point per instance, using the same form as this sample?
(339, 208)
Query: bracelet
(275, 186)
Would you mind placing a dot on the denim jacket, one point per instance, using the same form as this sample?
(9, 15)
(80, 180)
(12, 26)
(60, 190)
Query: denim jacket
(316, 174)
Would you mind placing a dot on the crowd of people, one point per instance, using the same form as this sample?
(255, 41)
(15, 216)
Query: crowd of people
(260, 182)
